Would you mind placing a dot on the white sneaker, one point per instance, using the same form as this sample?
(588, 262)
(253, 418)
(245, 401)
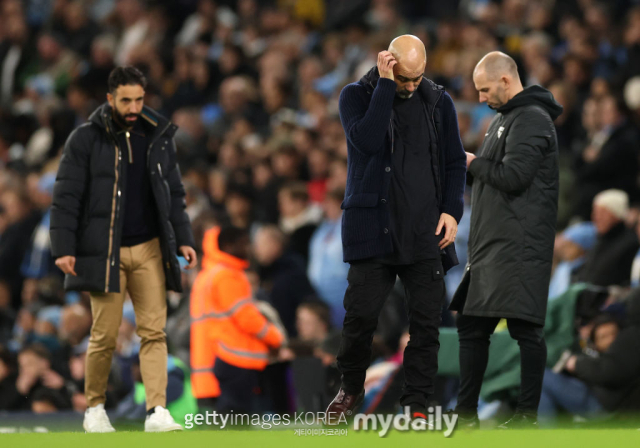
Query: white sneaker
(161, 421)
(96, 420)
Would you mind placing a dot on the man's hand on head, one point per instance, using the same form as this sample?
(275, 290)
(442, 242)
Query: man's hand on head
(386, 61)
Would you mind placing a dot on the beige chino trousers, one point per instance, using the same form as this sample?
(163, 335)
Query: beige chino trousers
(141, 274)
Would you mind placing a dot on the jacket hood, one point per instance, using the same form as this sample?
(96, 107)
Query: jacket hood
(212, 254)
(210, 247)
(534, 95)
(103, 118)
(370, 79)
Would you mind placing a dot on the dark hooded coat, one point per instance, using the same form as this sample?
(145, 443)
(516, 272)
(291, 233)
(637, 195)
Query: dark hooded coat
(514, 205)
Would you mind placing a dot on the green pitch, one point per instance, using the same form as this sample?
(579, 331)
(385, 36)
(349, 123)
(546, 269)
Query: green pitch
(564, 438)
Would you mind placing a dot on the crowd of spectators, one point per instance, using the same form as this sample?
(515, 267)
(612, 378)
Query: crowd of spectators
(254, 86)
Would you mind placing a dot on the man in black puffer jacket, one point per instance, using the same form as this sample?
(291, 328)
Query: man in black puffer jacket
(514, 205)
(118, 223)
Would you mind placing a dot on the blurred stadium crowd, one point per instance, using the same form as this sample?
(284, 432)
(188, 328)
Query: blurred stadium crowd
(253, 86)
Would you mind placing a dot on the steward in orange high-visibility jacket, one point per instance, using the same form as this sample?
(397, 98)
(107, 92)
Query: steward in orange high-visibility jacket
(225, 321)
(203, 355)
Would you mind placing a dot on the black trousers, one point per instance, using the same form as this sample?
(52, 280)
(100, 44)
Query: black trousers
(369, 285)
(474, 333)
(239, 388)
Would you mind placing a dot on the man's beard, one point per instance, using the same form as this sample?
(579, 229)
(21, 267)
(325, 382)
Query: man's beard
(122, 119)
(404, 94)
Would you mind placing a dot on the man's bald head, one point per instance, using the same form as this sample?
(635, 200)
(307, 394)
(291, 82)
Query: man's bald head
(411, 56)
(497, 64)
(409, 51)
(496, 79)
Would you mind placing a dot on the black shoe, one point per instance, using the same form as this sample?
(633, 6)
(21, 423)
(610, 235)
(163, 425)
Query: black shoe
(343, 406)
(465, 420)
(521, 420)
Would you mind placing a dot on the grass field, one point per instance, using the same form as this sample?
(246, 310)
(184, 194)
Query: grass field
(65, 431)
(564, 438)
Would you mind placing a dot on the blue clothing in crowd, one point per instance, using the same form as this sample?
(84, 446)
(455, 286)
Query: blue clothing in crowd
(327, 272)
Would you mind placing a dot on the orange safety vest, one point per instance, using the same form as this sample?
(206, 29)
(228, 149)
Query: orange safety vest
(225, 321)
(203, 355)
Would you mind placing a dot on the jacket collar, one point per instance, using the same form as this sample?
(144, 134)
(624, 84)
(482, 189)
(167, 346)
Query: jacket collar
(428, 90)
(102, 117)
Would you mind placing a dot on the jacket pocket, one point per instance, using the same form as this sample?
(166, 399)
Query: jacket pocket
(356, 275)
(361, 218)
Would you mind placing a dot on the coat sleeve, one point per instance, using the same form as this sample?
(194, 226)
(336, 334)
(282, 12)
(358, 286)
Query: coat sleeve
(365, 126)
(617, 366)
(527, 142)
(455, 163)
(68, 194)
(235, 296)
(177, 215)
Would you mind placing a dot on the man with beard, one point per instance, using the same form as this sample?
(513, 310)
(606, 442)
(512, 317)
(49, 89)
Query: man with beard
(403, 202)
(118, 223)
(514, 206)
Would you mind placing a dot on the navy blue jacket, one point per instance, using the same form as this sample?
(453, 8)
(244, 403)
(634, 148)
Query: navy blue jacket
(365, 111)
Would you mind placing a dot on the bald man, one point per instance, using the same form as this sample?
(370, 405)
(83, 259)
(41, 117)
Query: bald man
(403, 202)
(514, 201)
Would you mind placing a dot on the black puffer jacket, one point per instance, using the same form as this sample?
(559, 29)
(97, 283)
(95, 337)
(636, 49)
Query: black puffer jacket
(87, 211)
(514, 205)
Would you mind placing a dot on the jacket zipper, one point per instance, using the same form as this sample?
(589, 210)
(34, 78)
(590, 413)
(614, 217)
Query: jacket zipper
(435, 129)
(167, 265)
(115, 208)
(118, 202)
(433, 122)
(114, 211)
(128, 136)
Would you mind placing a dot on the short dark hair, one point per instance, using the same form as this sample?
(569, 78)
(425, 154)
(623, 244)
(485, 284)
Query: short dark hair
(37, 349)
(242, 190)
(619, 102)
(603, 319)
(320, 309)
(53, 397)
(230, 235)
(297, 190)
(126, 76)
